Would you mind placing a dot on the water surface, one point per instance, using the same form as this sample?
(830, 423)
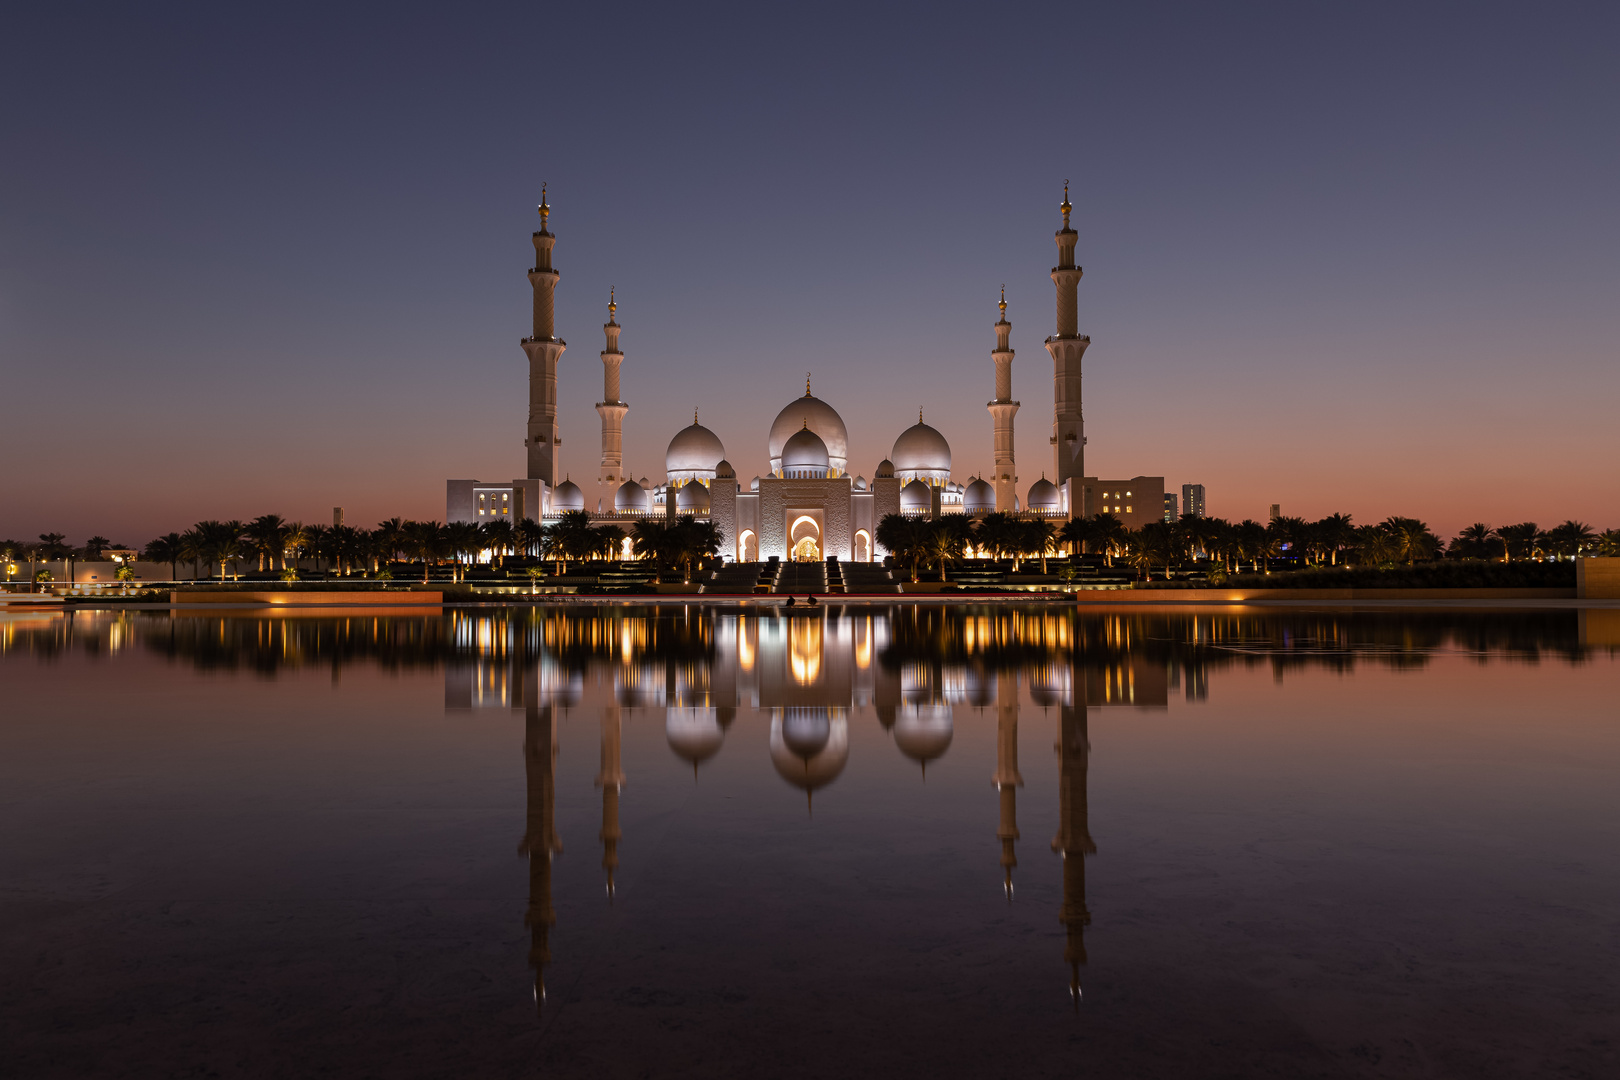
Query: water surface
(689, 841)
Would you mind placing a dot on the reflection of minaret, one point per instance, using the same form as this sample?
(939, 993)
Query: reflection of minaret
(1067, 347)
(612, 411)
(544, 349)
(610, 779)
(1007, 779)
(1002, 410)
(540, 841)
(1073, 840)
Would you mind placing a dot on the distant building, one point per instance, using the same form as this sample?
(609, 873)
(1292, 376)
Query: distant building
(1192, 500)
(1276, 512)
(1135, 502)
(1171, 513)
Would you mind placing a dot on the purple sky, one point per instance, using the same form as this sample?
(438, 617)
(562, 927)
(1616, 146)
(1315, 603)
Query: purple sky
(272, 260)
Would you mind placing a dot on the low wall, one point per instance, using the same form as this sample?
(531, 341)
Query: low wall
(307, 598)
(1597, 579)
(1238, 596)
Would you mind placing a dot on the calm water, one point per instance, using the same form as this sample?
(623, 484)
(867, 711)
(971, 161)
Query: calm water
(910, 841)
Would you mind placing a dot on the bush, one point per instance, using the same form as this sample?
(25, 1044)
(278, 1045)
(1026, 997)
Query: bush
(1451, 574)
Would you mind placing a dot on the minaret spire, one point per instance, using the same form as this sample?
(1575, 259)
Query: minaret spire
(1007, 778)
(540, 842)
(1073, 840)
(610, 779)
(544, 349)
(1002, 411)
(611, 410)
(1068, 347)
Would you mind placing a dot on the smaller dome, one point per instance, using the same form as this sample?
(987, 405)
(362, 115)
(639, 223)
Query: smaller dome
(805, 456)
(753, 485)
(1043, 495)
(644, 482)
(631, 498)
(860, 483)
(567, 497)
(979, 496)
(694, 450)
(692, 496)
(923, 732)
(725, 470)
(921, 448)
(916, 496)
(885, 470)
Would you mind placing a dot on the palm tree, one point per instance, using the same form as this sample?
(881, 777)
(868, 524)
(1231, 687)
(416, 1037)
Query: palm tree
(1518, 541)
(53, 547)
(424, 540)
(646, 539)
(1152, 544)
(943, 547)
(1111, 533)
(1040, 537)
(267, 533)
(500, 535)
(165, 549)
(1473, 542)
(906, 538)
(1292, 533)
(1570, 539)
(1375, 546)
(1335, 532)
(215, 542)
(295, 543)
(1078, 534)
(389, 538)
(1413, 540)
(1607, 543)
(997, 533)
(94, 546)
(1249, 538)
(693, 540)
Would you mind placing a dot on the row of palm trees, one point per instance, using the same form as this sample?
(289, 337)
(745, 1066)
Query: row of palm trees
(271, 543)
(1334, 540)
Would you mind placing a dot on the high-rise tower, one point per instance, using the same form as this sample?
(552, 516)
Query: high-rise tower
(1067, 347)
(1002, 409)
(612, 411)
(544, 349)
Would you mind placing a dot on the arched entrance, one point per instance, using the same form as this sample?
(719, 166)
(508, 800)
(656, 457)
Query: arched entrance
(863, 547)
(805, 539)
(748, 547)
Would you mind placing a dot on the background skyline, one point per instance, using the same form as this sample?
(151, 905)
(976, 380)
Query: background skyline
(1358, 261)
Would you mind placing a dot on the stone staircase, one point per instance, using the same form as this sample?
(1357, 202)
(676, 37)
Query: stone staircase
(802, 577)
(735, 579)
(864, 577)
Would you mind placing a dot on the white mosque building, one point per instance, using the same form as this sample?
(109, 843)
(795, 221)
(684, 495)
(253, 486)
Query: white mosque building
(809, 505)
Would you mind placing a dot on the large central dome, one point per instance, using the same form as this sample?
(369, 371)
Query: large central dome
(693, 453)
(819, 417)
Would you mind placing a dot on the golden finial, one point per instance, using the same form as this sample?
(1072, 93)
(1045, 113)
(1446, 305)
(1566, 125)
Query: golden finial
(694, 416)
(807, 384)
(1003, 304)
(613, 308)
(805, 424)
(1065, 207)
(545, 207)
(919, 414)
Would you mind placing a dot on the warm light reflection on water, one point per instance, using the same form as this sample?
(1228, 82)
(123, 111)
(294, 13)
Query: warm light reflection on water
(1319, 840)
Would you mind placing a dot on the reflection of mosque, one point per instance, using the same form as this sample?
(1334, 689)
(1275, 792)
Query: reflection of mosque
(809, 674)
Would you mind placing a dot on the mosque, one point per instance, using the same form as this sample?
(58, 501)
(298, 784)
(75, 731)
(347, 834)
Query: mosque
(809, 505)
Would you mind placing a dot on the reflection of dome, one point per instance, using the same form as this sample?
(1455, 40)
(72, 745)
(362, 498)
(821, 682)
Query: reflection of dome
(631, 498)
(567, 497)
(692, 496)
(1049, 685)
(885, 469)
(923, 732)
(921, 453)
(820, 418)
(824, 736)
(979, 496)
(694, 734)
(1043, 495)
(980, 687)
(693, 454)
(915, 496)
(804, 456)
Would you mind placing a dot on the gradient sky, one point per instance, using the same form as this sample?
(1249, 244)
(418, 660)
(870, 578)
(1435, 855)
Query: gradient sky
(272, 259)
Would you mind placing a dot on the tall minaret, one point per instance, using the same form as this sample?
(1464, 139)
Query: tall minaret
(1073, 840)
(612, 411)
(1067, 347)
(1007, 778)
(544, 349)
(540, 841)
(1002, 410)
(610, 778)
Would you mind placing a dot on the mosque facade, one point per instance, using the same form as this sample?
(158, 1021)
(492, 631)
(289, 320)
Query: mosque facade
(809, 504)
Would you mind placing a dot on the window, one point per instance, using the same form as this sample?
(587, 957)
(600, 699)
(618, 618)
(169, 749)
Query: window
(1127, 509)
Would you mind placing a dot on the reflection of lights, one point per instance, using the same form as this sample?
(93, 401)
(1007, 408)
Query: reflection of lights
(745, 646)
(804, 651)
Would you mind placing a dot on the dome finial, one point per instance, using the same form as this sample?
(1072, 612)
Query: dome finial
(919, 414)
(613, 307)
(807, 384)
(1065, 207)
(805, 424)
(694, 416)
(545, 207)
(1003, 304)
